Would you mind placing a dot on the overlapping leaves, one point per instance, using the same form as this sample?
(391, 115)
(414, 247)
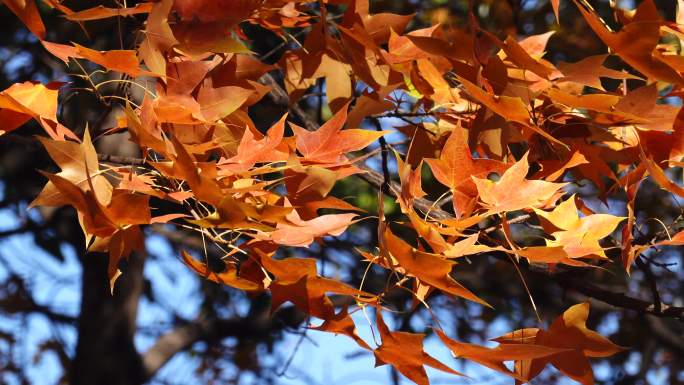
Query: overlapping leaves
(507, 133)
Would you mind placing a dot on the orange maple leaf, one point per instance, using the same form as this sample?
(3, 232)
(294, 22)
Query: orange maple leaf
(405, 352)
(329, 143)
(23, 101)
(568, 331)
(579, 237)
(514, 192)
(79, 165)
(494, 358)
(456, 166)
(430, 269)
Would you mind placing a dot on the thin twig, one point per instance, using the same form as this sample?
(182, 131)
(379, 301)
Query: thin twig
(650, 277)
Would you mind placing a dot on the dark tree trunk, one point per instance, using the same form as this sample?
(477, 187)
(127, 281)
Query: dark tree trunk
(105, 353)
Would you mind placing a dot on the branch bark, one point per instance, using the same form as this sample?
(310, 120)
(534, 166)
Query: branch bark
(254, 327)
(105, 352)
(617, 299)
(672, 340)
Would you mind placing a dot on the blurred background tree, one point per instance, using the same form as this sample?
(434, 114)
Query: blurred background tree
(162, 324)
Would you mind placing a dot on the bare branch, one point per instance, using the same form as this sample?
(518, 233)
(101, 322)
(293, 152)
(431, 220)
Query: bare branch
(125, 160)
(669, 338)
(617, 299)
(256, 327)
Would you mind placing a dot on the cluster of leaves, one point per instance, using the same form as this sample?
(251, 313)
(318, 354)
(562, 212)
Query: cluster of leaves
(491, 106)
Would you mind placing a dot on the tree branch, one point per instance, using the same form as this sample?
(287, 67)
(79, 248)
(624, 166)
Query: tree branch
(125, 160)
(254, 327)
(669, 338)
(651, 278)
(616, 299)
(16, 298)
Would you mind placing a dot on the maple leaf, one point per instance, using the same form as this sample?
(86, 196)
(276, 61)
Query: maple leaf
(23, 101)
(553, 169)
(568, 331)
(216, 10)
(555, 4)
(442, 94)
(319, 58)
(379, 25)
(126, 211)
(203, 186)
(95, 222)
(112, 227)
(518, 55)
(217, 103)
(125, 61)
(143, 127)
(158, 38)
(659, 175)
(79, 166)
(455, 167)
(405, 352)
(252, 151)
(337, 77)
(302, 233)
(469, 101)
(467, 246)
(579, 237)
(665, 146)
(514, 192)
(196, 39)
(632, 181)
(27, 12)
(641, 107)
(431, 269)
(589, 72)
(548, 254)
(233, 213)
(410, 184)
(634, 251)
(370, 103)
(535, 45)
(297, 281)
(636, 41)
(342, 324)
(596, 168)
(307, 184)
(134, 182)
(494, 358)
(365, 56)
(424, 43)
(328, 144)
(102, 12)
(511, 108)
